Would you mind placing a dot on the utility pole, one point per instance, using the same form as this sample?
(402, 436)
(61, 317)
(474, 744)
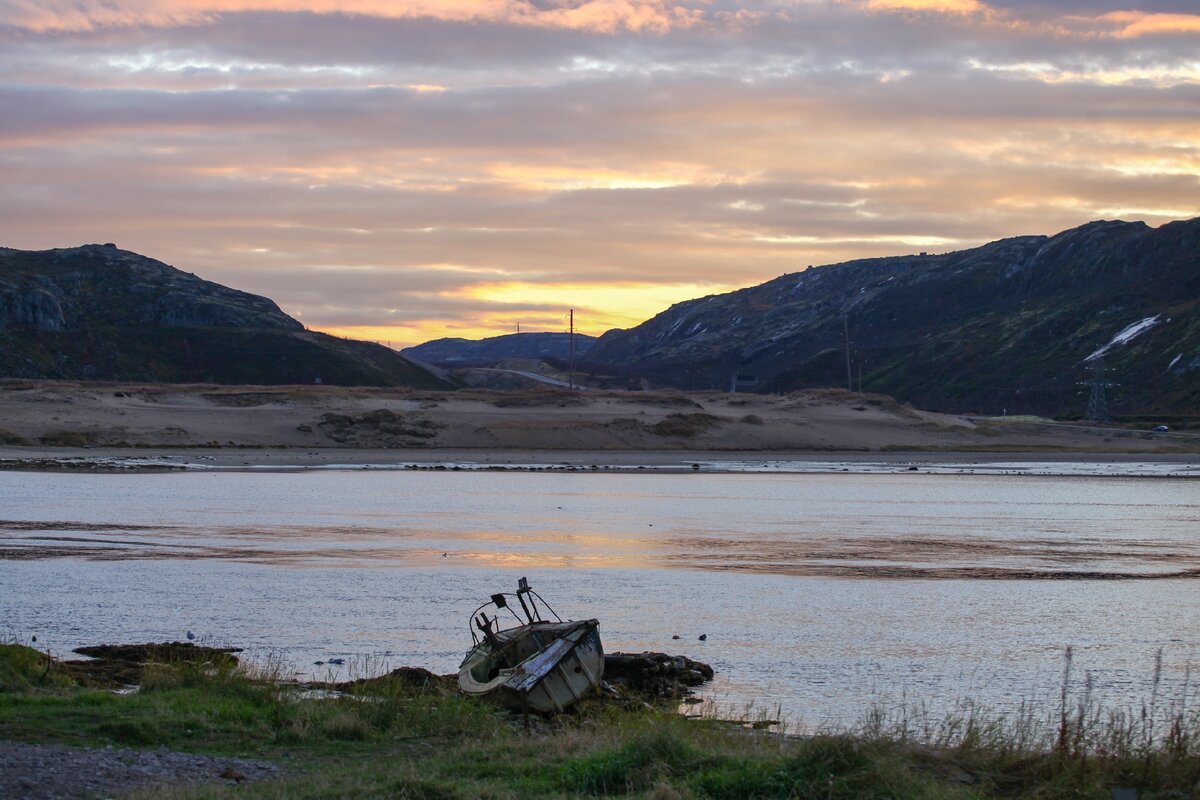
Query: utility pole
(846, 339)
(572, 341)
(1098, 401)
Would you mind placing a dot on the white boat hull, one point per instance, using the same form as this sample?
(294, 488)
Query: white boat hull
(557, 665)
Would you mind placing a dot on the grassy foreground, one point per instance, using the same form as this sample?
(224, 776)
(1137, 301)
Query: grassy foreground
(392, 740)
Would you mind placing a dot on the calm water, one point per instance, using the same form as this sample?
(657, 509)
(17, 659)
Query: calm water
(822, 593)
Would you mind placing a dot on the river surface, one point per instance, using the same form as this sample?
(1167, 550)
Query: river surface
(820, 595)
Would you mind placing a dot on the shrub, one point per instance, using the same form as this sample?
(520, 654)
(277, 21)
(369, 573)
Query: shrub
(61, 438)
(8, 437)
(685, 425)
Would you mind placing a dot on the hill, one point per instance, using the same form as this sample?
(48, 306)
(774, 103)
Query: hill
(1016, 324)
(485, 352)
(100, 313)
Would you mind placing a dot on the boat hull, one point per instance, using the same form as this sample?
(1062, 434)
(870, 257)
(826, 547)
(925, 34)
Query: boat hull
(556, 665)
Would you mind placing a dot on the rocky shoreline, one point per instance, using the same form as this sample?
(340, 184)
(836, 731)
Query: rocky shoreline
(648, 677)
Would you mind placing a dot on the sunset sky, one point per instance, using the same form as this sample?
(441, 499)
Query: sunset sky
(404, 170)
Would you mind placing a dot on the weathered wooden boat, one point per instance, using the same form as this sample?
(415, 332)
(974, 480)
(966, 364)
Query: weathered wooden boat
(536, 665)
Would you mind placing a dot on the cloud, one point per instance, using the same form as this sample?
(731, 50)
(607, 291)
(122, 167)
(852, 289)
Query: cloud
(592, 15)
(578, 153)
(940, 6)
(1134, 24)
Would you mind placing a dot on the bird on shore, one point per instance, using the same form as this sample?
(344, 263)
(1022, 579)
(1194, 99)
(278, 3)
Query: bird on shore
(190, 636)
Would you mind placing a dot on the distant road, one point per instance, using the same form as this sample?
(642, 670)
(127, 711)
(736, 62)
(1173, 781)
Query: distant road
(533, 376)
(1097, 427)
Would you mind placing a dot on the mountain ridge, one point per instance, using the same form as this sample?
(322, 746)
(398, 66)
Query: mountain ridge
(96, 312)
(456, 352)
(1004, 326)
(1022, 325)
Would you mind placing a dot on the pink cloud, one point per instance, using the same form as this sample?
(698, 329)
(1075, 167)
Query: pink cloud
(940, 6)
(1134, 24)
(590, 15)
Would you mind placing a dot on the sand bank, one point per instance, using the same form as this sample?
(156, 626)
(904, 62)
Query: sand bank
(45, 424)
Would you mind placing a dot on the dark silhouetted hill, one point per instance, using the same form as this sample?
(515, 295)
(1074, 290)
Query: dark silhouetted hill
(100, 313)
(1017, 324)
(485, 352)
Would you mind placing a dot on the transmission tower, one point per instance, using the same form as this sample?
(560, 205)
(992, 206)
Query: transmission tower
(1098, 401)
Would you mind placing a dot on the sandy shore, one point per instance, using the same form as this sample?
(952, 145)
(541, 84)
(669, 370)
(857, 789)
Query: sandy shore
(43, 425)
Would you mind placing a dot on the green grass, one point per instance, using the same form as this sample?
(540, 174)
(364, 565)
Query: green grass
(23, 668)
(399, 742)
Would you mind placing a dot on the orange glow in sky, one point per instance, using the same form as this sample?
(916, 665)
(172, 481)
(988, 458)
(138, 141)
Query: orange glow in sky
(598, 308)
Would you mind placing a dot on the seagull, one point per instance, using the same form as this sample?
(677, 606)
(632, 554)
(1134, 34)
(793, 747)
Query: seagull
(190, 636)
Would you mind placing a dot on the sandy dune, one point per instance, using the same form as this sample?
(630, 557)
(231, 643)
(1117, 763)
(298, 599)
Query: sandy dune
(333, 424)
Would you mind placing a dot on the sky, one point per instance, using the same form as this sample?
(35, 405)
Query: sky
(403, 170)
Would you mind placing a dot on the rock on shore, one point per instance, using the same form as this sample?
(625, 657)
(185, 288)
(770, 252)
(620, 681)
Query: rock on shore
(655, 676)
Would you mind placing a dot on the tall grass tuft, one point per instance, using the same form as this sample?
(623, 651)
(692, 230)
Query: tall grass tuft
(1080, 746)
(24, 669)
(638, 764)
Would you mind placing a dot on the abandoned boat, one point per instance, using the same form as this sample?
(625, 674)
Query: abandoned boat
(536, 665)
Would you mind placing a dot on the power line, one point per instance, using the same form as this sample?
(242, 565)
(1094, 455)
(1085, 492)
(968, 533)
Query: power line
(1098, 400)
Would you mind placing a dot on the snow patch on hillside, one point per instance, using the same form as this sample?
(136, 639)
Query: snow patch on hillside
(1126, 335)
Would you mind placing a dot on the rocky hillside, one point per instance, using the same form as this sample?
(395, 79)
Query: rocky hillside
(1016, 324)
(485, 352)
(99, 313)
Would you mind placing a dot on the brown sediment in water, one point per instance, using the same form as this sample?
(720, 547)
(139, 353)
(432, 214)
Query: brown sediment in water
(849, 558)
(894, 572)
(942, 558)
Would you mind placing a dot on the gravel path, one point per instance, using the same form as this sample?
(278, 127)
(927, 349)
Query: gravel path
(55, 772)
